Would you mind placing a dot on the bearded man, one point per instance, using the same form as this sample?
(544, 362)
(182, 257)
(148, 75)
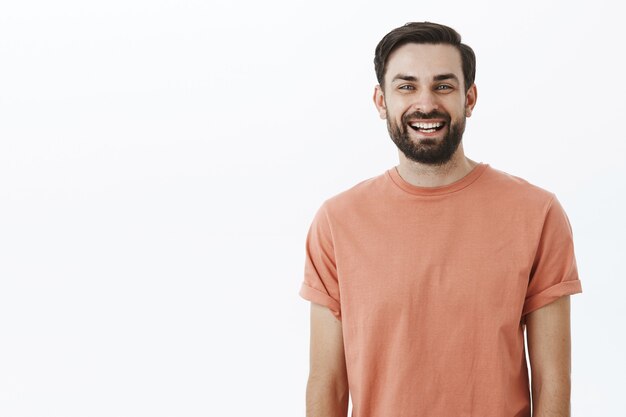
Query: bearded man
(424, 279)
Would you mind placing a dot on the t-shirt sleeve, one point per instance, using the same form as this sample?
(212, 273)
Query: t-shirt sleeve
(554, 273)
(320, 284)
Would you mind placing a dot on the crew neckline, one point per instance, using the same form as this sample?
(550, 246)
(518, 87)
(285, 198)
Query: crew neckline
(459, 184)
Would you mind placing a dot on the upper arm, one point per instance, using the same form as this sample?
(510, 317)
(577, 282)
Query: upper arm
(327, 356)
(549, 341)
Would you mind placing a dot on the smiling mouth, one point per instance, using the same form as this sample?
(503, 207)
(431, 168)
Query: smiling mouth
(427, 127)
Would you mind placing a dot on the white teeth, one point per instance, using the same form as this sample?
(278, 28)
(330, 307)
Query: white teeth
(427, 125)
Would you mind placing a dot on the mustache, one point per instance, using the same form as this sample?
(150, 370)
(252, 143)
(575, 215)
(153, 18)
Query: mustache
(420, 115)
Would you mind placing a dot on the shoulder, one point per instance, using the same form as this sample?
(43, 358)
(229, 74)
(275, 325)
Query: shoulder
(514, 189)
(360, 194)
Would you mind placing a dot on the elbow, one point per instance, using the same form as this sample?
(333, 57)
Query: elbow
(551, 396)
(327, 396)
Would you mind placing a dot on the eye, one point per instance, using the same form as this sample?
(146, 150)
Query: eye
(406, 87)
(443, 87)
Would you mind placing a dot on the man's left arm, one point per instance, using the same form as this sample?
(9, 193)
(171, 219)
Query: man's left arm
(549, 351)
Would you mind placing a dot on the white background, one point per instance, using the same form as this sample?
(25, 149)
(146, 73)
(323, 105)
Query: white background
(161, 161)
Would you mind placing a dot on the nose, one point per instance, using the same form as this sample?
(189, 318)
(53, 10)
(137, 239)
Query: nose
(424, 101)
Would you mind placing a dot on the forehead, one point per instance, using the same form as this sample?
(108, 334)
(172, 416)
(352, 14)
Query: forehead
(424, 61)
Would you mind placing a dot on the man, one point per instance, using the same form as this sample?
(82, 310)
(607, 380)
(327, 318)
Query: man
(424, 278)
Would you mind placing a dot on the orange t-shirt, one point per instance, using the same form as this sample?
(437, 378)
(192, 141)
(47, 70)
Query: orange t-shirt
(431, 285)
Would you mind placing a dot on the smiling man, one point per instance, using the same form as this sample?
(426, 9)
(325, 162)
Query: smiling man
(424, 279)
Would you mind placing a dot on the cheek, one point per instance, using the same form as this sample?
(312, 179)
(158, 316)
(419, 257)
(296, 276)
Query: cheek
(458, 109)
(396, 112)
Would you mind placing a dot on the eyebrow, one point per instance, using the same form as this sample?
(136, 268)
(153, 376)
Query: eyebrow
(440, 77)
(448, 76)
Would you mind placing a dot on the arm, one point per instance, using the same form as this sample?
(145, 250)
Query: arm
(549, 350)
(327, 387)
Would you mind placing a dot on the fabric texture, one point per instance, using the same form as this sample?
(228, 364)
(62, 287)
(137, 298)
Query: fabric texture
(432, 286)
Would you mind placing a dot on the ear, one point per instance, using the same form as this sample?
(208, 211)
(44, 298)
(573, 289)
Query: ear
(379, 102)
(470, 100)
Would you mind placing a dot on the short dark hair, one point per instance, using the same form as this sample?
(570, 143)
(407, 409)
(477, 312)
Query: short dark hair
(424, 32)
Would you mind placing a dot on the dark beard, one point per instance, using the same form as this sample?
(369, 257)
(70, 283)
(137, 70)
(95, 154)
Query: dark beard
(427, 151)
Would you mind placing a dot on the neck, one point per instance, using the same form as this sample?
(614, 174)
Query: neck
(425, 175)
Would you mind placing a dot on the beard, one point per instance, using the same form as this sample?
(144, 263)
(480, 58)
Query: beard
(429, 151)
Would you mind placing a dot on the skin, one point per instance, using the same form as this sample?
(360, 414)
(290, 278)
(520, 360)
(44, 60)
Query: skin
(548, 328)
(549, 351)
(327, 388)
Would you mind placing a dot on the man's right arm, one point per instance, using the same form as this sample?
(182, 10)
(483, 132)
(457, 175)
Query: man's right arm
(327, 389)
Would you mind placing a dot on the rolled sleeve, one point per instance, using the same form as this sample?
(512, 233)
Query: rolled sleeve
(554, 272)
(321, 284)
